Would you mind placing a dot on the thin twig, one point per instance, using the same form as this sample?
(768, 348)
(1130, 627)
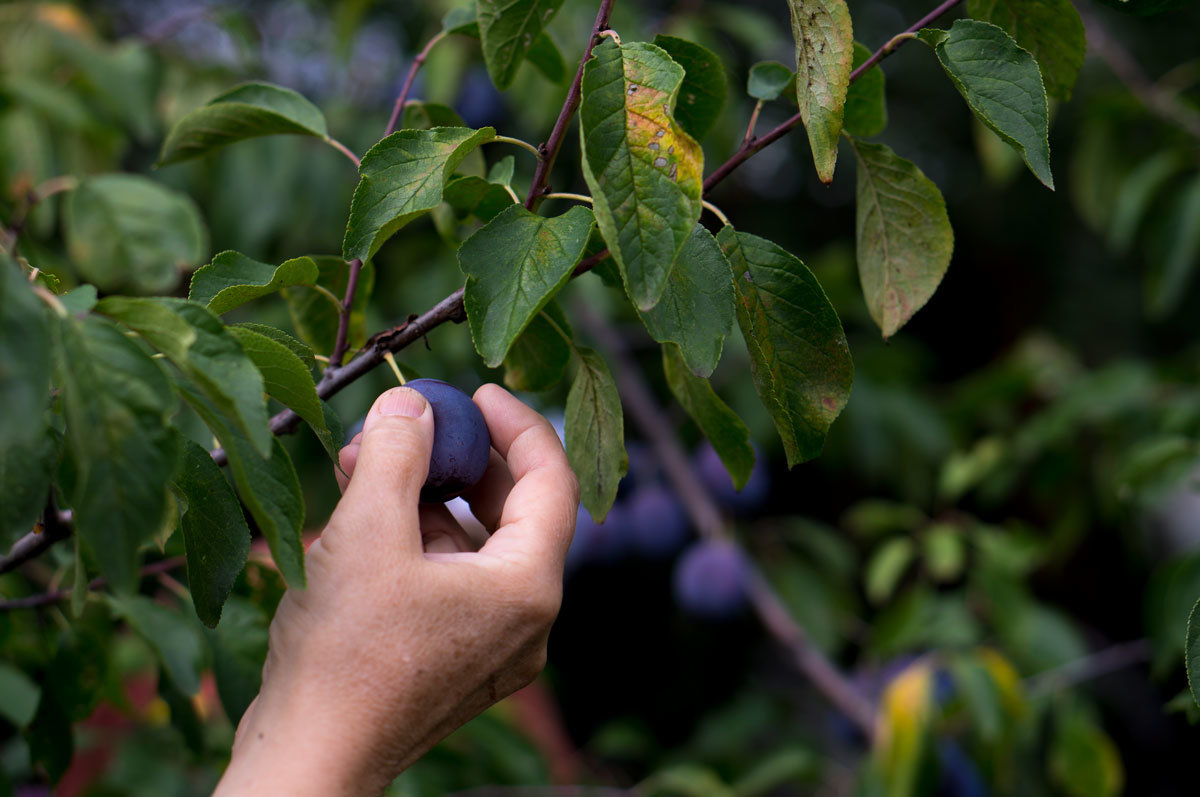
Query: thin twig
(549, 150)
(697, 501)
(754, 144)
(1088, 668)
(1155, 98)
(341, 343)
(408, 82)
(342, 148)
(53, 527)
(54, 596)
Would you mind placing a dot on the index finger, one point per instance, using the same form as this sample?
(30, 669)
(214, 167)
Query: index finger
(539, 514)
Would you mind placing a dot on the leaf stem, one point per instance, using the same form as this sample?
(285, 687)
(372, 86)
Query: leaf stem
(52, 300)
(753, 123)
(549, 150)
(716, 211)
(756, 143)
(342, 148)
(518, 142)
(413, 68)
(328, 294)
(516, 199)
(344, 311)
(564, 195)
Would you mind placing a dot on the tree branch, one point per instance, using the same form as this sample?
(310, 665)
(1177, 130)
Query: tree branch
(706, 517)
(753, 144)
(341, 343)
(54, 596)
(53, 527)
(549, 150)
(413, 69)
(1090, 667)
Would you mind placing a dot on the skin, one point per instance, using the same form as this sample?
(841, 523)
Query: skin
(408, 628)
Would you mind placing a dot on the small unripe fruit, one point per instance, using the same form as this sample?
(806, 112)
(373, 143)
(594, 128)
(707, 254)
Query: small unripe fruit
(461, 443)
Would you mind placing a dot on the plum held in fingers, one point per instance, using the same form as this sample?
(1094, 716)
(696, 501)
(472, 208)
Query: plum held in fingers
(461, 443)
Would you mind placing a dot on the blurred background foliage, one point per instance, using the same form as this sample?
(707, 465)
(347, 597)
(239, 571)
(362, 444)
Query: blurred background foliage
(1000, 541)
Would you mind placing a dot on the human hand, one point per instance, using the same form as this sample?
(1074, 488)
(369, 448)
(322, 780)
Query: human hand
(405, 631)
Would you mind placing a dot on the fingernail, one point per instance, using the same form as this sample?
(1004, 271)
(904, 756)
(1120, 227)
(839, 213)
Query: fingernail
(402, 401)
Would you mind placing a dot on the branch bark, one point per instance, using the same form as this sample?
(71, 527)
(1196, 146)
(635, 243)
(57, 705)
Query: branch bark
(54, 596)
(706, 517)
(341, 343)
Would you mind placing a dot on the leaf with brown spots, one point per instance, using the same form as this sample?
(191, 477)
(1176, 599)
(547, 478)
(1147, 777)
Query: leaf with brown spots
(799, 358)
(824, 57)
(643, 169)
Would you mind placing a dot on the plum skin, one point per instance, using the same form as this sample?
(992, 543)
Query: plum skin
(462, 445)
(712, 579)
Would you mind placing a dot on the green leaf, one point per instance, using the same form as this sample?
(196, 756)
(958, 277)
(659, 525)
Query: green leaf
(538, 358)
(246, 111)
(866, 101)
(886, 567)
(215, 535)
(595, 432)
(24, 360)
(507, 30)
(643, 170)
(116, 401)
(514, 265)
(1167, 283)
(402, 177)
(200, 346)
(279, 336)
(1002, 85)
(702, 94)
(1138, 190)
(79, 300)
(268, 486)
(19, 695)
(239, 650)
(1083, 760)
(547, 58)
(903, 237)
(425, 115)
(798, 354)
(824, 54)
(287, 380)
(316, 317)
(461, 20)
(724, 429)
(697, 308)
(1051, 30)
(1191, 647)
(767, 80)
(502, 171)
(232, 279)
(26, 469)
(125, 232)
(475, 196)
(175, 639)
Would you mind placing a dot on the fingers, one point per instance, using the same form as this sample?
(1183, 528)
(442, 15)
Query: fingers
(347, 458)
(487, 498)
(380, 503)
(441, 533)
(538, 517)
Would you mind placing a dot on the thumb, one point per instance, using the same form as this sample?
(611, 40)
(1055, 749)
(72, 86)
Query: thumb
(393, 462)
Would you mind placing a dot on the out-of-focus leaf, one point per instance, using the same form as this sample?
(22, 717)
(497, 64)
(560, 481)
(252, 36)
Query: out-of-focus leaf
(246, 111)
(25, 477)
(538, 358)
(215, 536)
(866, 101)
(767, 80)
(126, 232)
(799, 358)
(19, 695)
(643, 169)
(316, 317)
(547, 58)
(514, 266)
(1138, 190)
(1002, 85)
(724, 429)
(905, 713)
(824, 54)
(1169, 278)
(1051, 30)
(1084, 761)
(401, 178)
(887, 566)
(696, 309)
(595, 432)
(232, 279)
(200, 346)
(507, 30)
(685, 780)
(1170, 596)
(702, 94)
(79, 300)
(904, 239)
(174, 638)
(239, 648)
(475, 196)
(116, 400)
(944, 551)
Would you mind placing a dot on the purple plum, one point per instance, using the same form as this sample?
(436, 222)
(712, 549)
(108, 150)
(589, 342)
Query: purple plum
(657, 521)
(461, 443)
(716, 478)
(711, 579)
(599, 543)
